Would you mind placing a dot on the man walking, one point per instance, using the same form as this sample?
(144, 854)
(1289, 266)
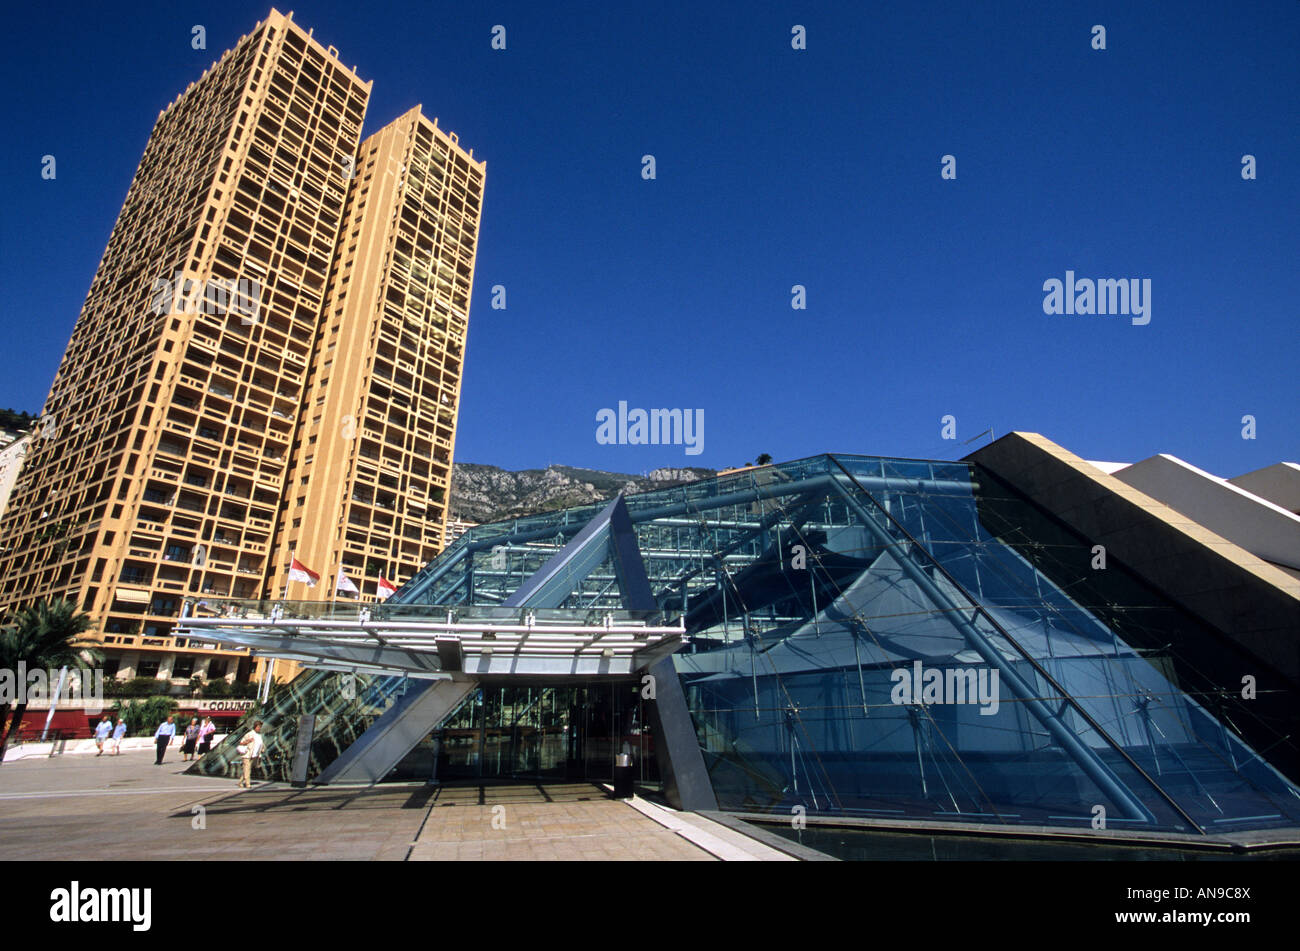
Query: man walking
(162, 736)
(101, 733)
(250, 748)
(119, 731)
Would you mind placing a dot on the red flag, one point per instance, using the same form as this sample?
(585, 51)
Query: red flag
(386, 589)
(300, 572)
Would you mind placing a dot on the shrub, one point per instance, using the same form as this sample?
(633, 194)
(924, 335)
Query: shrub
(135, 687)
(143, 716)
(216, 689)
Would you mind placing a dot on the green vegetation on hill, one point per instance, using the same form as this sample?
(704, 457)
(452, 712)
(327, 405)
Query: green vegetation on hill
(14, 420)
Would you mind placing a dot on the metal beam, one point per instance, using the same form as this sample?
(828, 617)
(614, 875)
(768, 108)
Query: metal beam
(677, 747)
(550, 584)
(629, 566)
(686, 779)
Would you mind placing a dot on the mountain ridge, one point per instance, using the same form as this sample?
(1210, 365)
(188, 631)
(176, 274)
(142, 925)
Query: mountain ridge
(486, 493)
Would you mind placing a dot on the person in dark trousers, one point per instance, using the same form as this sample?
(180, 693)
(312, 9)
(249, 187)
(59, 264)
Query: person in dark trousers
(162, 736)
(191, 739)
(205, 735)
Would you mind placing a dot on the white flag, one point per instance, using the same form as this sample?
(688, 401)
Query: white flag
(345, 583)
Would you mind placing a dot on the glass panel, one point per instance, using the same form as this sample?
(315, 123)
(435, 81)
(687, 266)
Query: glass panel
(539, 732)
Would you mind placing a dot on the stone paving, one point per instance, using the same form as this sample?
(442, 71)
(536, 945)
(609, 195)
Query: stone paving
(87, 807)
(557, 822)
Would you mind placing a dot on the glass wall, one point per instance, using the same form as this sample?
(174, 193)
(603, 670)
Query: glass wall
(344, 704)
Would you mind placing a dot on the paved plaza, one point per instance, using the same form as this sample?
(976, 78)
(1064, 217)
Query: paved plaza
(87, 807)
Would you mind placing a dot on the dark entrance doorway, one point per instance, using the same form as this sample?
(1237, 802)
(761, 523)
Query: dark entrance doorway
(532, 732)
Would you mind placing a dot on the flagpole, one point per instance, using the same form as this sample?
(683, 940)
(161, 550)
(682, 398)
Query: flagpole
(289, 577)
(270, 666)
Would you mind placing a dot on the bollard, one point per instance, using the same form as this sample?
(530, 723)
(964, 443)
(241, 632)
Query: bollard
(623, 776)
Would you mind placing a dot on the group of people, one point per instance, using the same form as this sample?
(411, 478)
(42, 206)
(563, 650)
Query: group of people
(108, 734)
(197, 741)
(196, 735)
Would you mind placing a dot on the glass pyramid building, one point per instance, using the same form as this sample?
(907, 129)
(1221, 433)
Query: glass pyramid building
(882, 638)
(908, 639)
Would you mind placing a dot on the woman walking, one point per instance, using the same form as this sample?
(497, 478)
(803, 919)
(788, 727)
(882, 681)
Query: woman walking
(191, 739)
(205, 735)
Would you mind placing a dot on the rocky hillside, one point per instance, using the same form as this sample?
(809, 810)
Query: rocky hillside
(488, 494)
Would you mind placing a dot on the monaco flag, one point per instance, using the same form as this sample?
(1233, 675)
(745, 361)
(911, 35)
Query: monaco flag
(386, 589)
(300, 572)
(345, 583)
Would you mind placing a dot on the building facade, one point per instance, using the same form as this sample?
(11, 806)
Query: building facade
(370, 483)
(185, 423)
(13, 452)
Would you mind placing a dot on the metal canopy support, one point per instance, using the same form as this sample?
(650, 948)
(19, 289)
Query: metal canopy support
(450, 654)
(677, 748)
(393, 735)
(681, 764)
(629, 566)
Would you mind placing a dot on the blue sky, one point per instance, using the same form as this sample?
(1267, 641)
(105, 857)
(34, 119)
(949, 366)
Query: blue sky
(775, 167)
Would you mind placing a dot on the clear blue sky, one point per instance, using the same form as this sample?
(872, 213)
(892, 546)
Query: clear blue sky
(775, 167)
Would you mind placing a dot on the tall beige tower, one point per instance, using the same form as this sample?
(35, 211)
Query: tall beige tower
(162, 460)
(369, 482)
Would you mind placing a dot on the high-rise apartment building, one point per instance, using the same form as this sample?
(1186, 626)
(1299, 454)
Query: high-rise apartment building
(370, 481)
(265, 281)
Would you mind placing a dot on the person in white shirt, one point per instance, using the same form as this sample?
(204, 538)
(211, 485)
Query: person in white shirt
(119, 731)
(101, 733)
(250, 748)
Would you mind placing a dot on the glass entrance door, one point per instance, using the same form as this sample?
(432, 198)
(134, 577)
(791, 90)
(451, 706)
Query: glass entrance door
(570, 732)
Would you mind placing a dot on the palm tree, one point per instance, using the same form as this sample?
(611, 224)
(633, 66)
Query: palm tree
(42, 636)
